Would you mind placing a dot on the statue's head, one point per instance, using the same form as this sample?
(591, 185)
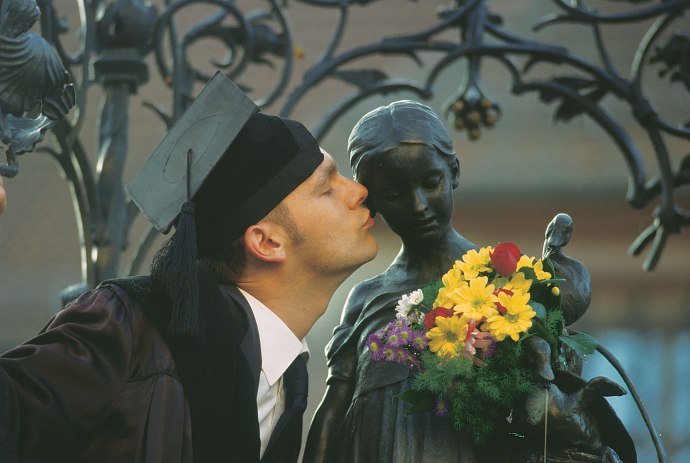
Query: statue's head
(404, 156)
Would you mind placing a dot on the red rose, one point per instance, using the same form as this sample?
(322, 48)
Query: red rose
(502, 310)
(505, 258)
(430, 318)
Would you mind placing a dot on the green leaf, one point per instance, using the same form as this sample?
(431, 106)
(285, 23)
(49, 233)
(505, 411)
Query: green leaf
(500, 281)
(411, 396)
(581, 343)
(539, 309)
(555, 322)
(548, 264)
(430, 292)
(420, 401)
(529, 273)
(551, 280)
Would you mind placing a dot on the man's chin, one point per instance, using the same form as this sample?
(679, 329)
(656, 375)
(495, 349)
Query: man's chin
(372, 247)
(374, 252)
(364, 257)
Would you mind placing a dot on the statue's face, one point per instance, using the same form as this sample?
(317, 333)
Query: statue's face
(412, 188)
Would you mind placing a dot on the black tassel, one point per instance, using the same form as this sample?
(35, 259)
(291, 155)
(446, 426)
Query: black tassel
(174, 271)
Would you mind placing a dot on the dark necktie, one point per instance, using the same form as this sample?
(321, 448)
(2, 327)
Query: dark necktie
(286, 439)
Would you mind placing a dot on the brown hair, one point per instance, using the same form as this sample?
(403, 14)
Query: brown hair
(230, 262)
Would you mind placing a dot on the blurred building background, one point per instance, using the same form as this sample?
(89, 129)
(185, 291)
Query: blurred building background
(515, 178)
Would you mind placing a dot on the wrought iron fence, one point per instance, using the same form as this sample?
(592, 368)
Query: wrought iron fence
(115, 36)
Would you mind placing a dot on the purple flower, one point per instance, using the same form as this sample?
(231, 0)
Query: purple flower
(488, 352)
(412, 361)
(405, 334)
(418, 340)
(441, 408)
(404, 357)
(383, 332)
(394, 339)
(375, 346)
(390, 354)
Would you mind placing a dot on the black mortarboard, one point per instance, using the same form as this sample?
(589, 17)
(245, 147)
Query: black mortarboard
(207, 127)
(236, 164)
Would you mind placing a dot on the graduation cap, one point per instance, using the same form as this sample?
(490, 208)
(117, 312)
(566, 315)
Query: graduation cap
(222, 168)
(207, 127)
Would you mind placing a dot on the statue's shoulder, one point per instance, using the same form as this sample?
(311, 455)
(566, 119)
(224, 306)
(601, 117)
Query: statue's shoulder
(352, 310)
(358, 298)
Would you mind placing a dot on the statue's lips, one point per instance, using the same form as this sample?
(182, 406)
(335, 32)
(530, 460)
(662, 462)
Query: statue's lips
(425, 224)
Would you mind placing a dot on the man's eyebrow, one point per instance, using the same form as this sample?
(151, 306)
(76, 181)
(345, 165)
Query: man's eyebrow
(324, 175)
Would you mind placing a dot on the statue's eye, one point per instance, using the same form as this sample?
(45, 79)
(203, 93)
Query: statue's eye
(432, 181)
(391, 193)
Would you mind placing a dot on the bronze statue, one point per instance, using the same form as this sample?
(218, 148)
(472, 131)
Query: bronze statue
(403, 154)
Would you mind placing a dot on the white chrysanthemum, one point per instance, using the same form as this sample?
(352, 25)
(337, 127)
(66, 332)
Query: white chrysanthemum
(416, 297)
(408, 301)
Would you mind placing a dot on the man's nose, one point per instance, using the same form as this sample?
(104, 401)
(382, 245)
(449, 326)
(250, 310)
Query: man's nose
(357, 194)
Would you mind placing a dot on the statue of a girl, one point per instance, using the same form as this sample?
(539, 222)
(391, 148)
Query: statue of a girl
(403, 154)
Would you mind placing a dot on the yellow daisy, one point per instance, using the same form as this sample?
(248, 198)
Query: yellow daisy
(524, 261)
(537, 266)
(474, 262)
(451, 280)
(516, 320)
(453, 277)
(518, 282)
(539, 271)
(476, 300)
(446, 335)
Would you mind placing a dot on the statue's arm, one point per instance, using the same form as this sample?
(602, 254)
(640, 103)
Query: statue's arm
(326, 432)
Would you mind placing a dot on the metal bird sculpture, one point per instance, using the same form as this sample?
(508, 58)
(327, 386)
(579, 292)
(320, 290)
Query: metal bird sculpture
(557, 235)
(576, 290)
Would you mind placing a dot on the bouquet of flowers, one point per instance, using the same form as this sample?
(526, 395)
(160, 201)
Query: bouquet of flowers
(464, 337)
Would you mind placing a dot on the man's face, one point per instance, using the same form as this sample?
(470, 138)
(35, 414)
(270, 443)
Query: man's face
(3, 197)
(330, 217)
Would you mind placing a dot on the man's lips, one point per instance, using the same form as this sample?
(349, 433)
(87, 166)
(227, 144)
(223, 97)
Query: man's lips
(369, 222)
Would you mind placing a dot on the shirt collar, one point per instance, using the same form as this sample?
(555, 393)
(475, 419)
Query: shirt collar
(279, 345)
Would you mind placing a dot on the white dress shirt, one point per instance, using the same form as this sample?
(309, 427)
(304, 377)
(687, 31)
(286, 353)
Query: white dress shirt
(279, 348)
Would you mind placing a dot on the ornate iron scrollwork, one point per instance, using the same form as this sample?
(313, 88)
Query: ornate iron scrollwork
(116, 35)
(34, 86)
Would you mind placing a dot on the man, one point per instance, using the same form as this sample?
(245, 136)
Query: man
(203, 360)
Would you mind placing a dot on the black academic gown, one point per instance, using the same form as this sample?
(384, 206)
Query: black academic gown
(220, 373)
(100, 383)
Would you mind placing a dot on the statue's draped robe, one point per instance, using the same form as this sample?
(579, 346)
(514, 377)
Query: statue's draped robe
(376, 428)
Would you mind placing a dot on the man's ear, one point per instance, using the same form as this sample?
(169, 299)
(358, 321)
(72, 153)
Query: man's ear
(265, 242)
(455, 172)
